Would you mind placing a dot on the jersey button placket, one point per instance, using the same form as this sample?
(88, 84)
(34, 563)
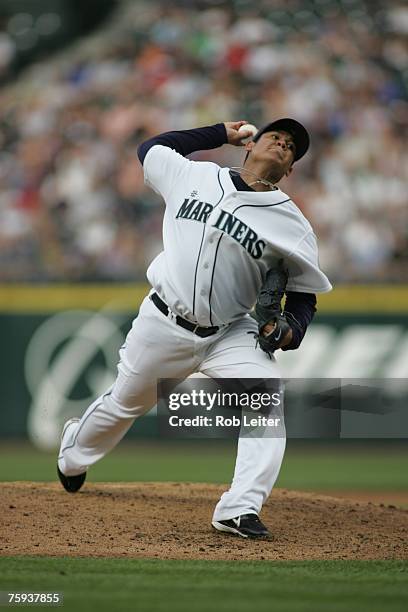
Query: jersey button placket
(205, 276)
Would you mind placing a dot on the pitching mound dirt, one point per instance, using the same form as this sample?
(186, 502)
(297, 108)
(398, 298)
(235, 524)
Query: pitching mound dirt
(173, 521)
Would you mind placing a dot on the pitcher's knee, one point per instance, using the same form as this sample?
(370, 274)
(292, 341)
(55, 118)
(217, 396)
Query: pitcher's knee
(127, 407)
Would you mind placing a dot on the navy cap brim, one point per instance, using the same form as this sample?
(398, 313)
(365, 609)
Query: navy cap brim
(298, 132)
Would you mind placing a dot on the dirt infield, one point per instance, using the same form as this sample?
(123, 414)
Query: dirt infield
(172, 521)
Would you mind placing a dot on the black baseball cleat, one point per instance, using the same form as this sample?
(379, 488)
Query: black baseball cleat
(72, 484)
(246, 526)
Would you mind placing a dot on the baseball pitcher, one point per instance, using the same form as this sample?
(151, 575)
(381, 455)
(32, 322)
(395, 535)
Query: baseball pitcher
(232, 240)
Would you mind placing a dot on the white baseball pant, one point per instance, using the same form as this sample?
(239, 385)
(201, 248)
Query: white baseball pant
(156, 347)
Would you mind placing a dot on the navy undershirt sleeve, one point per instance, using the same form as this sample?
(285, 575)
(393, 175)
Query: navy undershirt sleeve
(299, 309)
(187, 141)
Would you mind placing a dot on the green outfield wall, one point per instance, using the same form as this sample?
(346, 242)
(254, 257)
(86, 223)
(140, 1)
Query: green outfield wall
(59, 347)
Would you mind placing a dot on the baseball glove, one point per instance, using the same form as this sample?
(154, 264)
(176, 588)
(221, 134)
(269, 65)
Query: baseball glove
(268, 309)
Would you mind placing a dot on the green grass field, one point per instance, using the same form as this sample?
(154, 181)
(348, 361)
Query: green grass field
(306, 466)
(198, 586)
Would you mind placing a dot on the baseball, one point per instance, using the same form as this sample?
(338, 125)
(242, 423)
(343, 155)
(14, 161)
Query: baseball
(246, 127)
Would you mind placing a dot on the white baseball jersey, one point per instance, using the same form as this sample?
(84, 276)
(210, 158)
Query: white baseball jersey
(219, 242)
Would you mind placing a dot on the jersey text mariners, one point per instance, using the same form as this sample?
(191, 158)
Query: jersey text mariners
(192, 209)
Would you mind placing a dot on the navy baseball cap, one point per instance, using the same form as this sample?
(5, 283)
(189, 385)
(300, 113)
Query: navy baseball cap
(298, 132)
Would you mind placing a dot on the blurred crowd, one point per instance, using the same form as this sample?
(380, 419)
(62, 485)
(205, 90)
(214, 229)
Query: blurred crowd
(73, 205)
